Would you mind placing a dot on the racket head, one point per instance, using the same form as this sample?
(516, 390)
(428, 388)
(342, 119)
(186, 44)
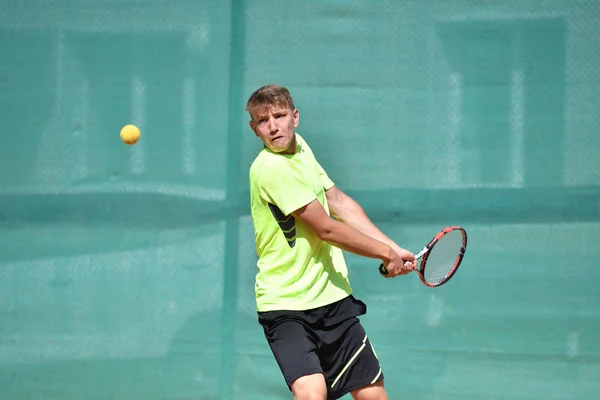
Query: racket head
(443, 255)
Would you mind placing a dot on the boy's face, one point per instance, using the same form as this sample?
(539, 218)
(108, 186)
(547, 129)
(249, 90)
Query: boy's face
(275, 126)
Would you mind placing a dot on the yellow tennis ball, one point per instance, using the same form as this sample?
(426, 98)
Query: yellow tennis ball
(130, 134)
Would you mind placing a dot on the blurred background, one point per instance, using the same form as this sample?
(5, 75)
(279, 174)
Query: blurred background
(127, 272)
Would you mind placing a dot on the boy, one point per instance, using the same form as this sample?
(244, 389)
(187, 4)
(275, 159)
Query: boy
(304, 299)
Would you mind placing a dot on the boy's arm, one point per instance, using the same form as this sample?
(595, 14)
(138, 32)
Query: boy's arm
(343, 208)
(350, 239)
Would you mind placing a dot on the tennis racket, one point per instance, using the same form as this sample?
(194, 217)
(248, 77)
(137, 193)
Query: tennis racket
(441, 257)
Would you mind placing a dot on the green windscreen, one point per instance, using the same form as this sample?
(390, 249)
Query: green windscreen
(127, 272)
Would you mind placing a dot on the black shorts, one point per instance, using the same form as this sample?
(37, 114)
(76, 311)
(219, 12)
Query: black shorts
(328, 340)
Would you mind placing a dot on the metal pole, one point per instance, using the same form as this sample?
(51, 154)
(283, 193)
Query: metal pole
(232, 199)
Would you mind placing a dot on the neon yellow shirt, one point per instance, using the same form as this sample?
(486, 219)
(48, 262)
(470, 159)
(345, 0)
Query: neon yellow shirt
(296, 269)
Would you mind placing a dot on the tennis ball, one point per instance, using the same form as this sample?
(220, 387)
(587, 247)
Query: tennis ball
(130, 134)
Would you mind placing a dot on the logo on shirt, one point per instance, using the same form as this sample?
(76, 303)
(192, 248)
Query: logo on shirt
(286, 223)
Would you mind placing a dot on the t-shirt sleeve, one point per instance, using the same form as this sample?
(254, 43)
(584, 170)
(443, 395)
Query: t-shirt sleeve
(285, 188)
(325, 181)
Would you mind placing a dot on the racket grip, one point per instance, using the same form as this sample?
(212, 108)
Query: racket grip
(382, 269)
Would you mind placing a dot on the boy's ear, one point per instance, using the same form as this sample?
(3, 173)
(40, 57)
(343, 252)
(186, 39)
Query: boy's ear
(253, 127)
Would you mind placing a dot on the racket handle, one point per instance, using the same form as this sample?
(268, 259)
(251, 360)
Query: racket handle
(382, 269)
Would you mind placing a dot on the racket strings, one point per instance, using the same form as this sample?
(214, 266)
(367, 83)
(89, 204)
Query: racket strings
(438, 272)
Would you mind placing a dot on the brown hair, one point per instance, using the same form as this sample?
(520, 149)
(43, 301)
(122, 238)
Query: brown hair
(269, 96)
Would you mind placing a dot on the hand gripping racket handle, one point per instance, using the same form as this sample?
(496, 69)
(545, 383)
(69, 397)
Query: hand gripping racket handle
(383, 270)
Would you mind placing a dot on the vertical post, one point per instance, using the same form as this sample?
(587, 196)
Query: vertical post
(138, 118)
(517, 95)
(232, 200)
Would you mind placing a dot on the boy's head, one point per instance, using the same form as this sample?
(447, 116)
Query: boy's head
(274, 118)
